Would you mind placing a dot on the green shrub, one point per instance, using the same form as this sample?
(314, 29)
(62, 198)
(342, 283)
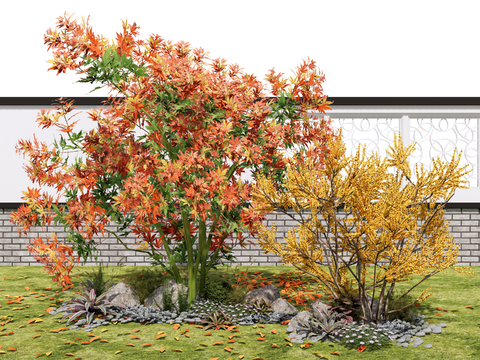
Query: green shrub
(236, 295)
(167, 299)
(182, 300)
(216, 289)
(98, 285)
(146, 283)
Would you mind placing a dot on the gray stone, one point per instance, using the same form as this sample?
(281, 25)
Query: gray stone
(428, 346)
(155, 299)
(442, 325)
(404, 344)
(122, 293)
(320, 306)
(313, 338)
(437, 330)
(304, 316)
(268, 293)
(418, 341)
(427, 330)
(420, 334)
(294, 335)
(283, 307)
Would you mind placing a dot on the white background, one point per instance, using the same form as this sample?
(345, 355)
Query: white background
(365, 49)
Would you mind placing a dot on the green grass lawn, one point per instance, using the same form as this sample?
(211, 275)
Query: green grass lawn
(27, 330)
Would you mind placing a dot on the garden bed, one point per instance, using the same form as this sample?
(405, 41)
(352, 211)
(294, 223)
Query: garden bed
(28, 291)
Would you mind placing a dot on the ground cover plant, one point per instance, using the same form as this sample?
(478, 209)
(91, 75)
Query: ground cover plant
(27, 330)
(391, 224)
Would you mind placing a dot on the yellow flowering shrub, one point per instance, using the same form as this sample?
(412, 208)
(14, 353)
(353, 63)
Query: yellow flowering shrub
(380, 230)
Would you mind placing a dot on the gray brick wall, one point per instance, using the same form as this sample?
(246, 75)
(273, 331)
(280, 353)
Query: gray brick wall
(464, 227)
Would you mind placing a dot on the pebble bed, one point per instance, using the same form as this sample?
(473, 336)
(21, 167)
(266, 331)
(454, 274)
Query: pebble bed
(150, 315)
(403, 332)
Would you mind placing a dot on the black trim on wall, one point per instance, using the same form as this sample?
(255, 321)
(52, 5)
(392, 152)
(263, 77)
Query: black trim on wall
(16, 205)
(337, 101)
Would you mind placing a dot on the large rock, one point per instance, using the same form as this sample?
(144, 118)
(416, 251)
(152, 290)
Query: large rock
(122, 293)
(283, 307)
(306, 315)
(156, 297)
(269, 293)
(125, 294)
(293, 325)
(319, 306)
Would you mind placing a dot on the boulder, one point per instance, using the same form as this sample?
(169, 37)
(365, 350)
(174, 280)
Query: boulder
(283, 307)
(122, 293)
(269, 293)
(319, 306)
(155, 299)
(305, 316)
(293, 325)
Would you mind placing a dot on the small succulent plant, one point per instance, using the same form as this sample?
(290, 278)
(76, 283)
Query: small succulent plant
(217, 320)
(323, 324)
(89, 304)
(261, 307)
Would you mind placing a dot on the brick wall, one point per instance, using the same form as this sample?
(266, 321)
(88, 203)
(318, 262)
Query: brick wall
(464, 227)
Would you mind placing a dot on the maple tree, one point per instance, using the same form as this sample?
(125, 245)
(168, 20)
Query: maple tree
(193, 115)
(380, 231)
